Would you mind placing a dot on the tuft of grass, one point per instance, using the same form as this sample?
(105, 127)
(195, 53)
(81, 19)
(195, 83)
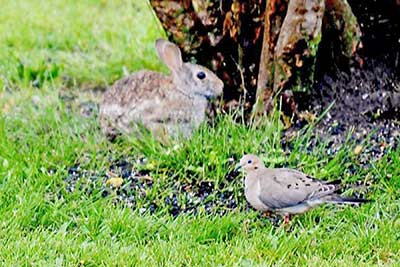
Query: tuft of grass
(85, 42)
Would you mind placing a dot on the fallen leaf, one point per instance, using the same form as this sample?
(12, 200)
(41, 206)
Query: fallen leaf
(308, 116)
(115, 182)
(358, 149)
(286, 121)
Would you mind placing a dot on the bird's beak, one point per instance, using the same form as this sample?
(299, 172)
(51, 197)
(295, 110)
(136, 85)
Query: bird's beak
(238, 167)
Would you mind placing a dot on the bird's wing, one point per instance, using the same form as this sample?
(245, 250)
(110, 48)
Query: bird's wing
(280, 188)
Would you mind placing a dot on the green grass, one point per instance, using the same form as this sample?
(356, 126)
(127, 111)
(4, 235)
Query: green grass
(57, 46)
(85, 42)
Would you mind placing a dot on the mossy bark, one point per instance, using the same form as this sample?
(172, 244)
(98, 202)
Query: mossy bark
(288, 62)
(341, 31)
(257, 47)
(275, 13)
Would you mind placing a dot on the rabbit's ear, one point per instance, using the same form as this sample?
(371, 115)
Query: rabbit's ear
(169, 54)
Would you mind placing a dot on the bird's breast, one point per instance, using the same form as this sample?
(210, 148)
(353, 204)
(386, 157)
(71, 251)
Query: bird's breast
(252, 193)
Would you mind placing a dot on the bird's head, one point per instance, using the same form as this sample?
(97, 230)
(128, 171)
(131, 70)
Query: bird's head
(250, 163)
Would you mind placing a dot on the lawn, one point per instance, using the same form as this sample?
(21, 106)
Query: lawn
(55, 57)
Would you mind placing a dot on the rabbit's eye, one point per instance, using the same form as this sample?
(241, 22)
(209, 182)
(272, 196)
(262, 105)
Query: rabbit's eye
(201, 75)
(249, 162)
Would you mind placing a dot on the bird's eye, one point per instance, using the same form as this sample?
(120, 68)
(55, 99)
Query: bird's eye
(249, 162)
(201, 75)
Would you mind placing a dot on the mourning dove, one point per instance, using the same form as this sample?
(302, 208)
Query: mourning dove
(287, 191)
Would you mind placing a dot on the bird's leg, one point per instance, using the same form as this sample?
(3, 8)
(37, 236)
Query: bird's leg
(286, 219)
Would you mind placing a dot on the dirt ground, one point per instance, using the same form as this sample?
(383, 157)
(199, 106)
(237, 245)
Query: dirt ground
(366, 98)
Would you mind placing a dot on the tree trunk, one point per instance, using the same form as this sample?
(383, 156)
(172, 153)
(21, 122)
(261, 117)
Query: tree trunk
(275, 13)
(257, 62)
(225, 36)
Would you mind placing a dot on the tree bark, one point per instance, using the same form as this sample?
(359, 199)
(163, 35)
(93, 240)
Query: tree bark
(257, 62)
(225, 36)
(273, 19)
(342, 31)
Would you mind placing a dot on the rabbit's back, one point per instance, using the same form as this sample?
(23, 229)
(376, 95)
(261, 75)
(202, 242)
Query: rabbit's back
(151, 99)
(136, 87)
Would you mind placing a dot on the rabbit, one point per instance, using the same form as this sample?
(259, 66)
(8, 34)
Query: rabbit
(167, 105)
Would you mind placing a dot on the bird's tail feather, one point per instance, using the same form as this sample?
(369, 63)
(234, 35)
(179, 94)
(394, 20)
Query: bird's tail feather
(336, 199)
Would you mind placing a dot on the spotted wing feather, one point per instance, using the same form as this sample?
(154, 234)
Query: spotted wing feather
(281, 188)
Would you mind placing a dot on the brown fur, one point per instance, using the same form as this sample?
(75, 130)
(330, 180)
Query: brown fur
(167, 105)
